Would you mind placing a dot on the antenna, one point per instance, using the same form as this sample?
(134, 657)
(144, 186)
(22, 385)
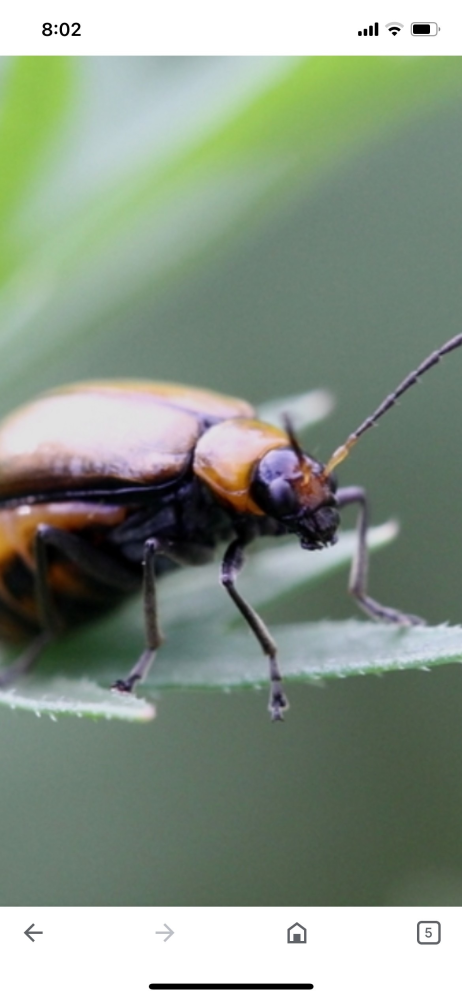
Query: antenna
(342, 452)
(294, 443)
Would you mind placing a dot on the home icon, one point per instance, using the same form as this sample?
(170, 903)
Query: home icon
(296, 933)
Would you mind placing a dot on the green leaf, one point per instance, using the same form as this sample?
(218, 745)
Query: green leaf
(81, 698)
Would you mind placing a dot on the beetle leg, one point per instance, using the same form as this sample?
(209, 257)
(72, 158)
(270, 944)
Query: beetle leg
(48, 614)
(232, 564)
(94, 563)
(153, 634)
(358, 575)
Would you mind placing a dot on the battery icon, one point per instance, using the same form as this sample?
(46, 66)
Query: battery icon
(424, 28)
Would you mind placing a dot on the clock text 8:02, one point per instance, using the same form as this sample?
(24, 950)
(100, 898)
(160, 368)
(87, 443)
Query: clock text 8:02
(63, 29)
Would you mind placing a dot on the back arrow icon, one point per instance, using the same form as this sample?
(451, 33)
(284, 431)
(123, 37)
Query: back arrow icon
(167, 933)
(29, 932)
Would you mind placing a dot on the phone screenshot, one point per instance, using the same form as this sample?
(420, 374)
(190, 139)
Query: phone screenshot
(230, 501)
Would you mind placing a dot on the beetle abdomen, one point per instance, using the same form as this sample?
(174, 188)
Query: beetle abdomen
(77, 594)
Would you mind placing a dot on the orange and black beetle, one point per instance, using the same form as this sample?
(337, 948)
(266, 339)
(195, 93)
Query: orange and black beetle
(103, 483)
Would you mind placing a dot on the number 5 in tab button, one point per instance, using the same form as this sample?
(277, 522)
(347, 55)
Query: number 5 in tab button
(429, 933)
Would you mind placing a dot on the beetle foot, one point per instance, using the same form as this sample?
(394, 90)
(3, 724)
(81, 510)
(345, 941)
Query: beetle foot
(398, 617)
(278, 703)
(411, 620)
(123, 686)
(389, 615)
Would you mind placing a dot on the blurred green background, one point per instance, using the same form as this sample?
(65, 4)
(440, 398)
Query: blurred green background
(258, 226)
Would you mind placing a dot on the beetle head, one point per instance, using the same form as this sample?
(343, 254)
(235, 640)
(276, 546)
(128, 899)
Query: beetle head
(292, 488)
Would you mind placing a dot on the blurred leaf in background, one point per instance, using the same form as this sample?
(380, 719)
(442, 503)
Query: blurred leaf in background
(191, 148)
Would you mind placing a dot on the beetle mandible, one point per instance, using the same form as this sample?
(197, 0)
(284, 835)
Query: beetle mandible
(105, 485)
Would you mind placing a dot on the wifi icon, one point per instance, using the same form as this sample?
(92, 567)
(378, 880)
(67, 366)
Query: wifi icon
(394, 27)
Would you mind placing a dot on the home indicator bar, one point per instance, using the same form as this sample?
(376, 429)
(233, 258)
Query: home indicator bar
(208, 985)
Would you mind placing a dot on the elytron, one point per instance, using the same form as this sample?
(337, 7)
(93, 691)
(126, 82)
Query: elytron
(106, 485)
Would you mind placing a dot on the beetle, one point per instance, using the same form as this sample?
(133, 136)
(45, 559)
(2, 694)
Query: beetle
(106, 485)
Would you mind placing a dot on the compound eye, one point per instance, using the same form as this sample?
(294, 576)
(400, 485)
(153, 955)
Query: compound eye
(277, 498)
(283, 501)
(275, 482)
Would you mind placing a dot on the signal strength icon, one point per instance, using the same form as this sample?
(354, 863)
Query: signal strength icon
(373, 29)
(394, 27)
